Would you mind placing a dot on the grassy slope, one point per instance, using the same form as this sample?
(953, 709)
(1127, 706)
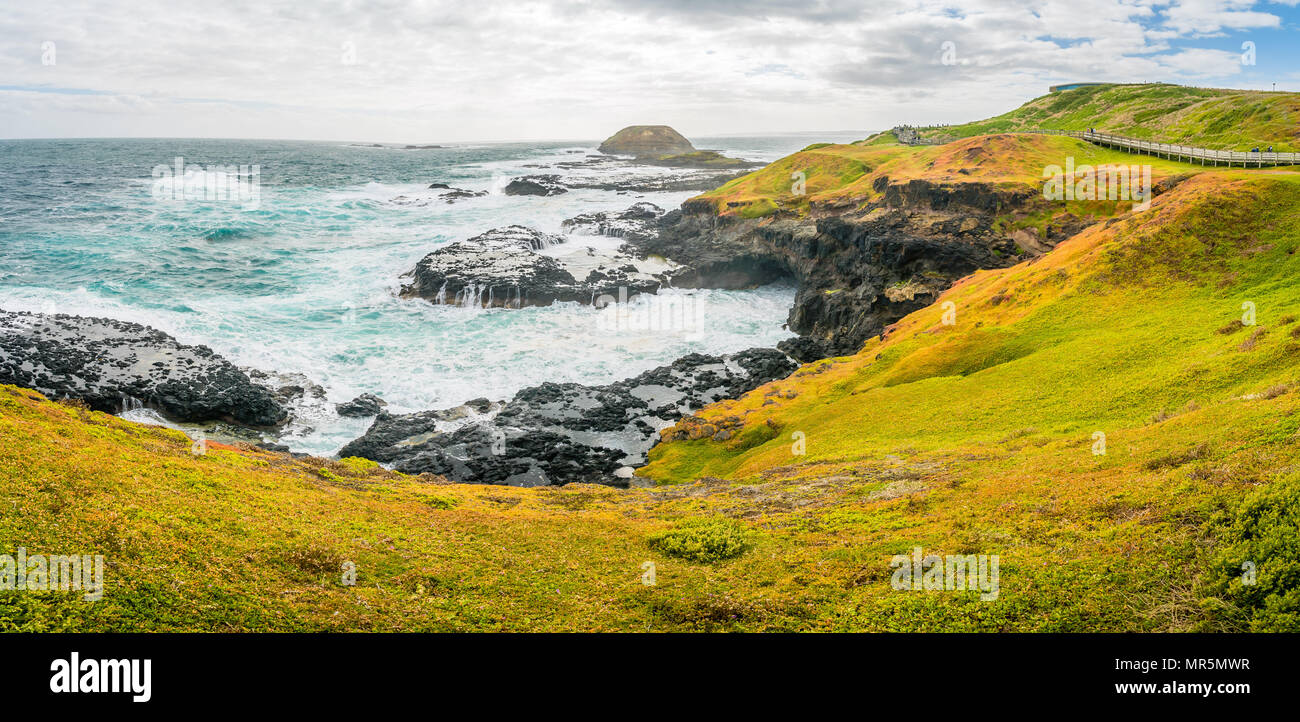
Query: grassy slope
(1217, 118)
(845, 173)
(1113, 330)
(973, 438)
(239, 540)
(1209, 117)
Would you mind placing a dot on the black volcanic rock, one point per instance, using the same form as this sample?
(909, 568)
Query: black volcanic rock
(496, 268)
(362, 406)
(536, 185)
(456, 194)
(558, 433)
(113, 364)
(502, 268)
(449, 195)
(803, 349)
(640, 222)
(858, 267)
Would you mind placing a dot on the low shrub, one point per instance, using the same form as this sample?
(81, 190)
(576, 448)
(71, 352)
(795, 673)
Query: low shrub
(1255, 578)
(703, 540)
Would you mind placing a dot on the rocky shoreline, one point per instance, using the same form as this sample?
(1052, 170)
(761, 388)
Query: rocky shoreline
(113, 366)
(564, 433)
(857, 269)
(506, 268)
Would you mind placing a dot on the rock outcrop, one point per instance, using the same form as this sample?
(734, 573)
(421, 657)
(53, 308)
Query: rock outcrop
(536, 185)
(857, 269)
(448, 195)
(701, 159)
(496, 268)
(503, 268)
(561, 433)
(640, 222)
(361, 407)
(646, 141)
(114, 365)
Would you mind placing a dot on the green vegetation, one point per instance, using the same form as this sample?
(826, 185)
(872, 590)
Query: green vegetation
(703, 540)
(981, 436)
(1217, 118)
(1118, 420)
(847, 175)
(1264, 526)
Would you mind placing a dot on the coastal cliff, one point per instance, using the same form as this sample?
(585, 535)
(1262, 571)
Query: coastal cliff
(872, 232)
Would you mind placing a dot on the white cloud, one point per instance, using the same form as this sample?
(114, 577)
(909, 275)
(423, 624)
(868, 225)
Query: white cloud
(435, 70)
(1204, 17)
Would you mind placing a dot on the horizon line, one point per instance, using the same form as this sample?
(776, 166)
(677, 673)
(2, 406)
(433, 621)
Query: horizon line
(758, 134)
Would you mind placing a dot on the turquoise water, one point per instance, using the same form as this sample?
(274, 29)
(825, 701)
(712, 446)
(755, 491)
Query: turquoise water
(305, 282)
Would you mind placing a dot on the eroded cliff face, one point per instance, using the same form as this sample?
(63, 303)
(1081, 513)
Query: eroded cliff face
(862, 267)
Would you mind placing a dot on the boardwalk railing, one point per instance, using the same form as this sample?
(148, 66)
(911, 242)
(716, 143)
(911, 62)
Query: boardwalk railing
(1172, 151)
(1180, 152)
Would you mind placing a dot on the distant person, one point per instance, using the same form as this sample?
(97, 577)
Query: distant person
(1270, 149)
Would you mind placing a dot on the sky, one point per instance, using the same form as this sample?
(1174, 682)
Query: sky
(428, 71)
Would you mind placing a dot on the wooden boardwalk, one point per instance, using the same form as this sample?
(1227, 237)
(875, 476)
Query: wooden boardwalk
(1173, 151)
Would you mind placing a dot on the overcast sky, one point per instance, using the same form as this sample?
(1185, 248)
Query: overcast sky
(431, 71)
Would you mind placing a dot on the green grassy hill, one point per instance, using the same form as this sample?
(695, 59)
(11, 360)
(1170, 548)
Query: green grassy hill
(1222, 119)
(1132, 329)
(841, 175)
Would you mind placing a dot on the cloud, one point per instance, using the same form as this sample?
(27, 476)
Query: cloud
(441, 70)
(1204, 17)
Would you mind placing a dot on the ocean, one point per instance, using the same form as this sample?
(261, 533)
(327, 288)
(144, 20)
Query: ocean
(304, 280)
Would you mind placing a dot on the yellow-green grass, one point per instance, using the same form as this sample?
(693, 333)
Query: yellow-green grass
(974, 438)
(239, 540)
(1217, 118)
(845, 174)
(1131, 330)
(244, 540)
